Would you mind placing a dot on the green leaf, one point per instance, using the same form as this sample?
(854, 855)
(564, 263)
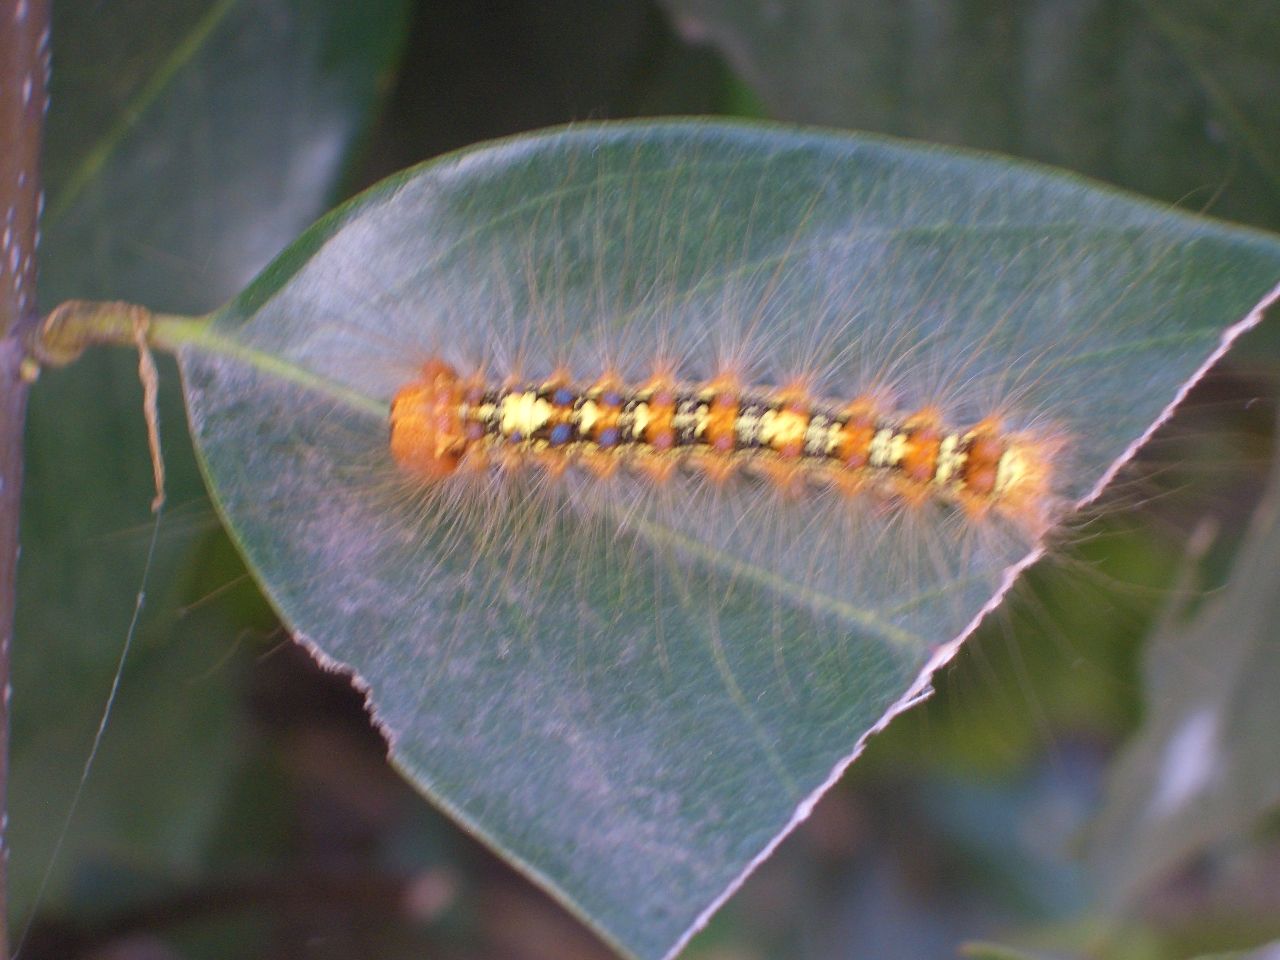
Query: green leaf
(1175, 98)
(1206, 764)
(1267, 952)
(633, 689)
(226, 129)
(993, 951)
(187, 143)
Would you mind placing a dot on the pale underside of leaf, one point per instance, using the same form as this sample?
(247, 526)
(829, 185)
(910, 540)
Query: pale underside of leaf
(631, 689)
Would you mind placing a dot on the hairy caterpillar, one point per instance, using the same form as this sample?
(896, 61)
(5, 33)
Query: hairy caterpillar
(443, 422)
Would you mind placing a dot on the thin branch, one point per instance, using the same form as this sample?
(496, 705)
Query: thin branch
(24, 72)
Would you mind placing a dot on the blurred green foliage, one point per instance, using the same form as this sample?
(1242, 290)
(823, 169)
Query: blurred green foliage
(240, 805)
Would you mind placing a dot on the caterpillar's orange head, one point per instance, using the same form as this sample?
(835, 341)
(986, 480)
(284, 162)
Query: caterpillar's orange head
(427, 432)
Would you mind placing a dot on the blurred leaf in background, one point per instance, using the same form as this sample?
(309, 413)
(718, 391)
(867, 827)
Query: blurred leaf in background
(1206, 762)
(1269, 952)
(1177, 99)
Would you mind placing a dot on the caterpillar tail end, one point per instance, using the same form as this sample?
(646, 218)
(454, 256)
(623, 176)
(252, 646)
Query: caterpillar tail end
(1024, 485)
